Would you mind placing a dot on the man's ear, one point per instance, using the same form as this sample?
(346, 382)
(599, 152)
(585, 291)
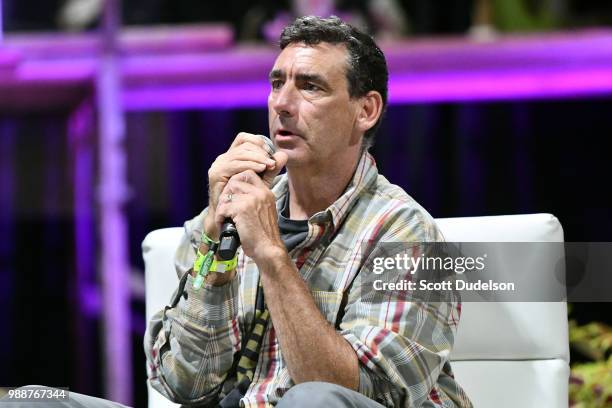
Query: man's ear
(371, 106)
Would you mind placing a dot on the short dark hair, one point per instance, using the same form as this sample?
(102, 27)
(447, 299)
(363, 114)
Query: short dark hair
(367, 67)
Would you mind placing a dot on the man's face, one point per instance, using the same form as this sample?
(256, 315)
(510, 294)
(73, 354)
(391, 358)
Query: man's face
(310, 113)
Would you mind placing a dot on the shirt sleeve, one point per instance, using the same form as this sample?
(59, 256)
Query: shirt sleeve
(403, 343)
(190, 348)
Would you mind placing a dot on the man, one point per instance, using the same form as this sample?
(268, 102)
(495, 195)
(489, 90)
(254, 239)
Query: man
(289, 324)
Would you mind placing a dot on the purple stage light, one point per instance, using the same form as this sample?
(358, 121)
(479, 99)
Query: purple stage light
(500, 85)
(211, 96)
(557, 65)
(404, 88)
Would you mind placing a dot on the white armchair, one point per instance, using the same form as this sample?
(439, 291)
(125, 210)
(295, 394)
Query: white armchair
(507, 354)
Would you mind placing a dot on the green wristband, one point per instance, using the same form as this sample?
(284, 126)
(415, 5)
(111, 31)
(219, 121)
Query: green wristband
(197, 265)
(202, 266)
(224, 266)
(205, 239)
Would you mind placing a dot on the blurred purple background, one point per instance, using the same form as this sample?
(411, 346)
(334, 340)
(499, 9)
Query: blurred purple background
(106, 133)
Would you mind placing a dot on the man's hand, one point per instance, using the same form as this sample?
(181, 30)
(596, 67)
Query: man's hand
(248, 201)
(246, 153)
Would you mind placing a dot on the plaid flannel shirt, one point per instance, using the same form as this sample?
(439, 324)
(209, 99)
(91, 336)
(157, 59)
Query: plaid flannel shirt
(403, 346)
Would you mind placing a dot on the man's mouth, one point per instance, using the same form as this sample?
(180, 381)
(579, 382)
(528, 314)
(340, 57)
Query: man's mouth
(285, 134)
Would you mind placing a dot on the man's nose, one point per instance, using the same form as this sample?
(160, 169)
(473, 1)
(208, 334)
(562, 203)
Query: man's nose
(283, 100)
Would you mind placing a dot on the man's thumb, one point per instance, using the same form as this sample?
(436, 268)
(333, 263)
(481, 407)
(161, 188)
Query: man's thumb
(281, 159)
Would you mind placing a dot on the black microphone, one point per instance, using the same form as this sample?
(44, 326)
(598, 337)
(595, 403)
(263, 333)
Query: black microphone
(229, 241)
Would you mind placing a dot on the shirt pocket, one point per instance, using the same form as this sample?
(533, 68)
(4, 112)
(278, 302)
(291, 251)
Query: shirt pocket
(328, 303)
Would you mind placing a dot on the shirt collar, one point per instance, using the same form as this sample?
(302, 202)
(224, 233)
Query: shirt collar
(365, 174)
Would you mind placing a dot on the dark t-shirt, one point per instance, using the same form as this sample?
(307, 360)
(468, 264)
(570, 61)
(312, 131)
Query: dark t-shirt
(292, 231)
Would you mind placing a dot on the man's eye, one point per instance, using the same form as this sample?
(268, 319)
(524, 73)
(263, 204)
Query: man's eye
(276, 84)
(311, 87)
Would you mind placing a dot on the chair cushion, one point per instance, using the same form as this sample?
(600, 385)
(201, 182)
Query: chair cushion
(514, 384)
